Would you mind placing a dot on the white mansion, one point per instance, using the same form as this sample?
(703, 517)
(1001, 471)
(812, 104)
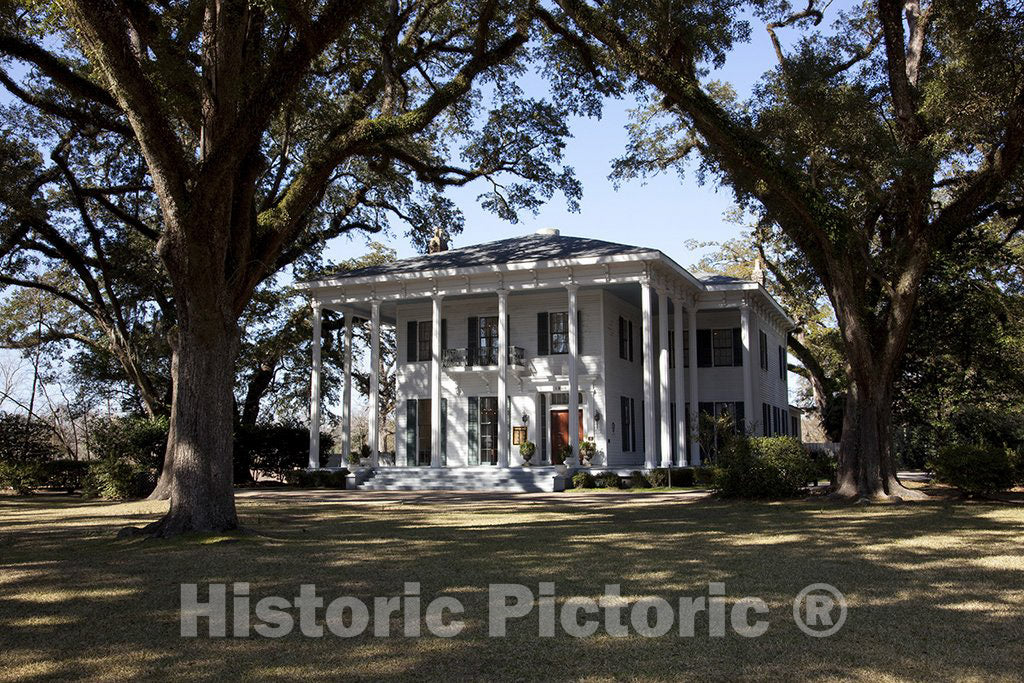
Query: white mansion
(502, 342)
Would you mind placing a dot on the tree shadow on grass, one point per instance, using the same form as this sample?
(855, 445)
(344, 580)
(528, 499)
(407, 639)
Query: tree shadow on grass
(934, 590)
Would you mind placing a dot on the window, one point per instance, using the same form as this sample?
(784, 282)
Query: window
(785, 422)
(764, 350)
(628, 424)
(719, 348)
(782, 363)
(423, 340)
(558, 324)
(562, 399)
(488, 341)
(775, 420)
(722, 347)
(794, 426)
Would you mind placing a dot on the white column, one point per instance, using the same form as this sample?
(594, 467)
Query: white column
(680, 395)
(435, 383)
(665, 389)
(748, 371)
(694, 395)
(574, 385)
(374, 426)
(647, 304)
(346, 398)
(314, 391)
(503, 427)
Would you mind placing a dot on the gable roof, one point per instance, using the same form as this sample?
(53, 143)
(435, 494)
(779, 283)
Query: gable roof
(525, 248)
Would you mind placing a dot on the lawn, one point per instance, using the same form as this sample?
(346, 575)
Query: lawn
(935, 590)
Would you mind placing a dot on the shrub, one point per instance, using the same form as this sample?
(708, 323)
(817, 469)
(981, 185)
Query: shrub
(322, 479)
(24, 441)
(658, 477)
(140, 440)
(974, 469)
(118, 479)
(763, 467)
(703, 476)
(583, 480)
(638, 480)
(66, 475)
(609, 480)
(275, 449)
(682, 476)
(20, 476)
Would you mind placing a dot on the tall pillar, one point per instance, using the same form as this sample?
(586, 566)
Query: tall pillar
(748, 371)
(574, 384)
(665, 389)
(314, 391)
(694, 395)
(682, 438)
(374, 422)
(435, 383)
(647, 304)
(346, 397)
(503, 427)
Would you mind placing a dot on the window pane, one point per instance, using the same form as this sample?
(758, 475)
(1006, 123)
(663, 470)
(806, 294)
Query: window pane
(488, 341)
(559, 326)
(423, 338)
(721, 341)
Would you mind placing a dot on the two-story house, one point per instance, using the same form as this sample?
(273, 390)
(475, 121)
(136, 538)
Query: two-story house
(556, 339)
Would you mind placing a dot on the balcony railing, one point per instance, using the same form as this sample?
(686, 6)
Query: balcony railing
(468, 358)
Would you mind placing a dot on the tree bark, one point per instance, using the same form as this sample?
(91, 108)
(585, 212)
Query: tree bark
(198, 464)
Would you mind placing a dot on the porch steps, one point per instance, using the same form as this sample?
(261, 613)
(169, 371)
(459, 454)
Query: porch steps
(507, 479)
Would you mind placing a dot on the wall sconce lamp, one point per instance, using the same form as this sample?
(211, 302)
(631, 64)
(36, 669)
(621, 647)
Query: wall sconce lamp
(525, 418)
(597, 417)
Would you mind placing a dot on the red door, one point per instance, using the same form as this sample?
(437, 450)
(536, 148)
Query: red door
(560, 434)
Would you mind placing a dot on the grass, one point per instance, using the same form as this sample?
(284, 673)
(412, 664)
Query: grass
(935, 590)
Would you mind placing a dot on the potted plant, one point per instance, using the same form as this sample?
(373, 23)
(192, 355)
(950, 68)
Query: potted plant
(565, 453)
(526, 450)
(364, 455)
(587, 450)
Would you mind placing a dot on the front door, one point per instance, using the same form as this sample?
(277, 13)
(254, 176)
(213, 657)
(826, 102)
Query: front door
(560, 433)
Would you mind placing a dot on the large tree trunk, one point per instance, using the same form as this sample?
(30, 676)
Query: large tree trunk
(866, 469)
(199, 446)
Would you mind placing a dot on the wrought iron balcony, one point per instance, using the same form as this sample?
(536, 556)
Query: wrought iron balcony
(454, 359)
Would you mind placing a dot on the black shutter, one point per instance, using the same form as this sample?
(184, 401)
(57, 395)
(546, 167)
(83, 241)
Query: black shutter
(674, 425)
(410, 432)
(411, 342)
(782, 363)
(622, 338)
(543, 428)
(704, 348)
(542, 334)
(472, 340)
(579, 332)
(737, 347)
(630, 325)
(625, 423)
(474, 421)
(444, 333)
(632, 425)
(741, 417)
(444, 431)
(643, 425)
(766, 419)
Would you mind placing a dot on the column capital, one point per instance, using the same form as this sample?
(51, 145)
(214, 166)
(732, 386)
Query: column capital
(572, 286)
(316, 304)
(501, 292)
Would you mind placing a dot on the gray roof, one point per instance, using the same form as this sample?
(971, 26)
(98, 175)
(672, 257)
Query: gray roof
(534, 247)
(716, 279)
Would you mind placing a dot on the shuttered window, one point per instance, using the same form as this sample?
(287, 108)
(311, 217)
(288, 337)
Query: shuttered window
(722, 341)
(424, 334)
(558, 323)
(782, 363)
(763, 339)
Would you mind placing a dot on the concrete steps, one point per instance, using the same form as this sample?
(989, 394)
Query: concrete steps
(509, 479)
